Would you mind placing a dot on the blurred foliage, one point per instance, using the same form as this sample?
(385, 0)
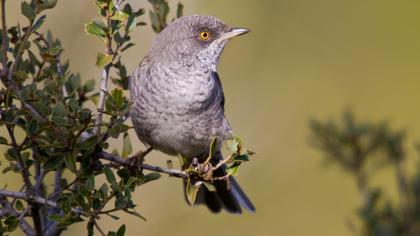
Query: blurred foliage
(362, 149)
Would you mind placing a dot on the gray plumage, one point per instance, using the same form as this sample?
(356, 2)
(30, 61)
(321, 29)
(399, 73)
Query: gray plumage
(178, 101)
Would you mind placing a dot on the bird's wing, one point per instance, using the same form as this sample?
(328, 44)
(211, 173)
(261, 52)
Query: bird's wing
(226, 125)
(216, 78)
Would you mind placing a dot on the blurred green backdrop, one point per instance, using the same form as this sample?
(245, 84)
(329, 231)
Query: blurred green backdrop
(303, 59)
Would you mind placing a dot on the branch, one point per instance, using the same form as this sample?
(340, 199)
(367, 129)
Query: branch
(15, 88)
(39, 200)
(222, 162)
(35, 210)
(19, 52)
(25, 172)
(4, 34)
(104, 75)
(39, 177)
(23, 224)
(126, 162)
(102, 96)
(98, 228)
(118, 4)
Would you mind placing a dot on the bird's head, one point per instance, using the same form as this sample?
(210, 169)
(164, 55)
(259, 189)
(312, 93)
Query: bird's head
(194, 39)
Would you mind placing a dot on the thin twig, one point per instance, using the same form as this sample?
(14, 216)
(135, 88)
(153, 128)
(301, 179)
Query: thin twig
(98, 228)
(39, 177)
(19, 52)
(104, 76)
(24, 170)
(39, 200)
(118, 4)
(53, 227)
(7, 207)
(57, 179)
(4, 34)
(222, 162)
(57, 193)
(126, 162)
(102, 96)
(35, 210)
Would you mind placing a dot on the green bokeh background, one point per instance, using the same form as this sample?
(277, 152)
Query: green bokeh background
(303, 59)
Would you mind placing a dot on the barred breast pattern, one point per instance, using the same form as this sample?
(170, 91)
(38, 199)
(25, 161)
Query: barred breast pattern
(177, 114)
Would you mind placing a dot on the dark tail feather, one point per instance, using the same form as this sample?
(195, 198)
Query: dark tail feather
(228, 194)
(240, 196)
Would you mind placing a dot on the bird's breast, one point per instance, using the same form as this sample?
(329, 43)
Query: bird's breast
(177, 111)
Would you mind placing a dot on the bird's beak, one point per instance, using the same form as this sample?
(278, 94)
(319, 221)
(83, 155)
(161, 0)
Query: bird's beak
(233, 33)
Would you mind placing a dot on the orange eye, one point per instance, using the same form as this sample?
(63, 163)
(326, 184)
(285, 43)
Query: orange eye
(205, 35)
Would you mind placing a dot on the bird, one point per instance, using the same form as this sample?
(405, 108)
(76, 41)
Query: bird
(177, 101)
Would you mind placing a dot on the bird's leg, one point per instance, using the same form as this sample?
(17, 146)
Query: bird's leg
(137, 160)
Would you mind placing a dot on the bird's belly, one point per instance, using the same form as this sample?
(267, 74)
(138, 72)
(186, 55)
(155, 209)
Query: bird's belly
(179, 116)
(174, 131)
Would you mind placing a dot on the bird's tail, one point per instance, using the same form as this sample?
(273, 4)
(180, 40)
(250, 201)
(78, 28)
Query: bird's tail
(228, 194)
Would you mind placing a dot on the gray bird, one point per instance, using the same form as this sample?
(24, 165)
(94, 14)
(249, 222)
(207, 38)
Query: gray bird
(178, 102)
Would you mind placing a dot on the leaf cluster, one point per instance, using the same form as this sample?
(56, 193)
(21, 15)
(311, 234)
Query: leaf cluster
(363, 149)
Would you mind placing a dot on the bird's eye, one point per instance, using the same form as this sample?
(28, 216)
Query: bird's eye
(204, 35)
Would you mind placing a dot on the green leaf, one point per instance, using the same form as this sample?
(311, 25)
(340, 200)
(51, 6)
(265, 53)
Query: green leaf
(22, 75)
(212, 150)
(51, 87)
(210, 187)
(213, 146)
(120, 16)
(121, 231)
(179, 10)
(152, 176)
(51, 163)
(104, 190)
(114, 217)
(131, 23)
(33, 58)
(28, 11)
(241, 157)
(19, 205)
(3, 140)
(88, 143)
(89, 85)
(39, 23)
(32, 127)
(191, 192)
(59, 110)
(11, 222)
(233, 169)
(90, 183)
(135, 213)
(117, 129)
(9, 116)
(233, 145)
(110, 177)
(90, 228)
(127, 148)
(129, 45)
(56, 218)
(70, 160)
(95, 28)
(117, 95)
(102, 3)
(154, 18)
(48, 4)
(103, 60)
